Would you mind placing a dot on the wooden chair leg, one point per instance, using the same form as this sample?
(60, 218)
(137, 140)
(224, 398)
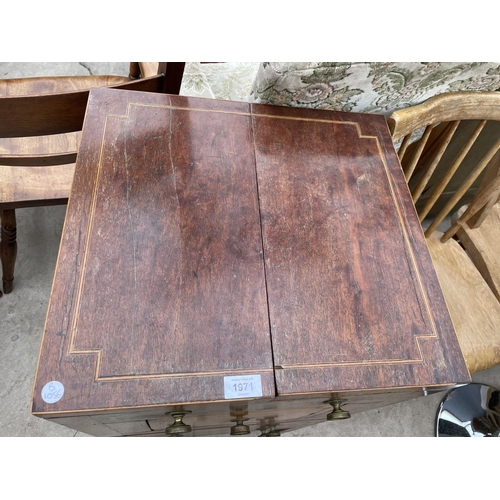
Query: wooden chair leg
(8, 248)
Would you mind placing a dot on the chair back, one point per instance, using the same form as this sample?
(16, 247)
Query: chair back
(424, 133)
(43, 114)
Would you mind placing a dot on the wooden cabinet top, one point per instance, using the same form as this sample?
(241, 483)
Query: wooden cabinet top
(208, 240)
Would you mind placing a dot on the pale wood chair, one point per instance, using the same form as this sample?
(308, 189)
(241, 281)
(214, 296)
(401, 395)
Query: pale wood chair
(40, 123)
(473, 307)
(480, 236)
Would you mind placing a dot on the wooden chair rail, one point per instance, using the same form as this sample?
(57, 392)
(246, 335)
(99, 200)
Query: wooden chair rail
(38, 160)
(40, 85)
(56, 113)
(444, 108)
(468, 278)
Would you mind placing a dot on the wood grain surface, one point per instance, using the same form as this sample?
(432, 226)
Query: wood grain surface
(351, 289)
(166, 295)
(206, 239)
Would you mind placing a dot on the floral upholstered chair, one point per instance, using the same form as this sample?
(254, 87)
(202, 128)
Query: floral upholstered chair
(380, 87)
(231, 81)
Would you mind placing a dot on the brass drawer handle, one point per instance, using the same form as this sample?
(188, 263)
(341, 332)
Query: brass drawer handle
(178, 427)
(240, 429)
(337, 413)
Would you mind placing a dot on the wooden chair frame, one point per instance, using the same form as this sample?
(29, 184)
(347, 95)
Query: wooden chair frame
(442, 110)
(42, 114)
(474, 309)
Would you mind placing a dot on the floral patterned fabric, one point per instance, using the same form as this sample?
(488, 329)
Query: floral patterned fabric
(229, 81)
(367, 87)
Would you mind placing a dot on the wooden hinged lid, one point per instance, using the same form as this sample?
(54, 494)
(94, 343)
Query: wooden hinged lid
(209, 239)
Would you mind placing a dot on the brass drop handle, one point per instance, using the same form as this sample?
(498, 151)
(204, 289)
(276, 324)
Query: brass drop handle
(178, 427)
(240, 429)
(337, 413)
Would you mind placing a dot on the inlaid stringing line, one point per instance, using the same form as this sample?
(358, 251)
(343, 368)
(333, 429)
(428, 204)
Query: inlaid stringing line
(356, 125)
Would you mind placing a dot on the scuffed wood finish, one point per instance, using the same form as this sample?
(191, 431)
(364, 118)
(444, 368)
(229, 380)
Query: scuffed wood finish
(206, 239)
(216, 419)
(167, 293)
(352, 295)
(185, 192)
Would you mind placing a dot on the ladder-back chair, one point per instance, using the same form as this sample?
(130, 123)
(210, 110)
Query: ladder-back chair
(40, 123)
(427, 129)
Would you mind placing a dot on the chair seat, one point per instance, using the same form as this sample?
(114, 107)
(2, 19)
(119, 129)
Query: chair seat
(483, 246)
(474, 309)
(35, 186)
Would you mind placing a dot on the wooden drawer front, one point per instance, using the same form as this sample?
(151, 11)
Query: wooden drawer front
(217, 419)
